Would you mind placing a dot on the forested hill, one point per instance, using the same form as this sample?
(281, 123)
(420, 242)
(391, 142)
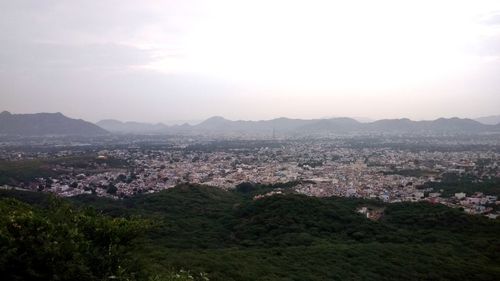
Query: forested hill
(230, 236)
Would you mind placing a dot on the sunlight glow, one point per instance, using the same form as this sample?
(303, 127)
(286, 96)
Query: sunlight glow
(325, 43)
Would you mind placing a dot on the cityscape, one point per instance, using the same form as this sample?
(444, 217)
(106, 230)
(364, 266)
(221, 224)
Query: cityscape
(391, 169)
(264, 140)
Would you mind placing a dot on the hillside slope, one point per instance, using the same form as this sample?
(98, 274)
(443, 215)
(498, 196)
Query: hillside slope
(42, 124)
(293, 237)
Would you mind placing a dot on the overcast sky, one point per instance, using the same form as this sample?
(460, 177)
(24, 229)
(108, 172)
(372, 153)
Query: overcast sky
(157, 61)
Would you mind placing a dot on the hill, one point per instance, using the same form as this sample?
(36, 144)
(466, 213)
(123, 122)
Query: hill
(43, 124)
(116, 126)
(438, 126)
(300, 127)
(230, 236)
(489, 120)
(285, 127)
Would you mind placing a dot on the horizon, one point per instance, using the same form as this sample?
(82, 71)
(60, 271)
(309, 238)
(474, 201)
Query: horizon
(187, 60)
(195, 122)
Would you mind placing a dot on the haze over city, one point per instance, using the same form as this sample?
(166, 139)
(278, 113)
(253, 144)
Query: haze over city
(189, 60)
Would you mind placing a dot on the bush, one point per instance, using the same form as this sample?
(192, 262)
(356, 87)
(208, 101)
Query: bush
(61, 243)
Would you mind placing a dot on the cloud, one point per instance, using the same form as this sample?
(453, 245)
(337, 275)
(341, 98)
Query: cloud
(491, 18)
(490, 46)
(94, 21)
(92, 34)
(35, 55)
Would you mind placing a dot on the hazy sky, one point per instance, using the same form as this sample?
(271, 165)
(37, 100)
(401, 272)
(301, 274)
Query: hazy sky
(182, 60)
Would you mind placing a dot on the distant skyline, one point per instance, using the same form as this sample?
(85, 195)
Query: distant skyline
(488, 120)
(158, 61)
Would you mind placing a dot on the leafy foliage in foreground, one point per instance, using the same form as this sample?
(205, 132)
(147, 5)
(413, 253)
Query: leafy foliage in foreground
(61, 243)
(293, 237)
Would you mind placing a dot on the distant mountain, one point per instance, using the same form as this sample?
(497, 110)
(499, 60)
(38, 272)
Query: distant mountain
(455, 125)
(285, 126)
(116, 126)
(41, 124)
(441, 125)
(217, 123)
(333, 125)
(489, 120)
(391, 125)
(360, 119)
(302, 127)
(221, 125)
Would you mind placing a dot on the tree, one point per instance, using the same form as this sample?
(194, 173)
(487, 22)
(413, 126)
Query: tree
(61, 243)
(112, 189)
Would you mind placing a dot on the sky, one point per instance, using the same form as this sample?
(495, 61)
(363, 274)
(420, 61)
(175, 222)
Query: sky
(158, 61)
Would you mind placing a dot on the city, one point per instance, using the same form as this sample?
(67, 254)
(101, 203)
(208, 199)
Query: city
(264, 140)
(390, 169)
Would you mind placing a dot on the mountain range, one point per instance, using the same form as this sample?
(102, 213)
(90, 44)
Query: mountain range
(296, 127)
(116, 126)
(41, 124)
(489, 120)
(58, 124)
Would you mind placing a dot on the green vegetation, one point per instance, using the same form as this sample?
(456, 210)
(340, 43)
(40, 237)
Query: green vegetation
(27, 170)
(283, 237)
(24, 171)
(251, 189)
(60, 243)
(452, 184)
